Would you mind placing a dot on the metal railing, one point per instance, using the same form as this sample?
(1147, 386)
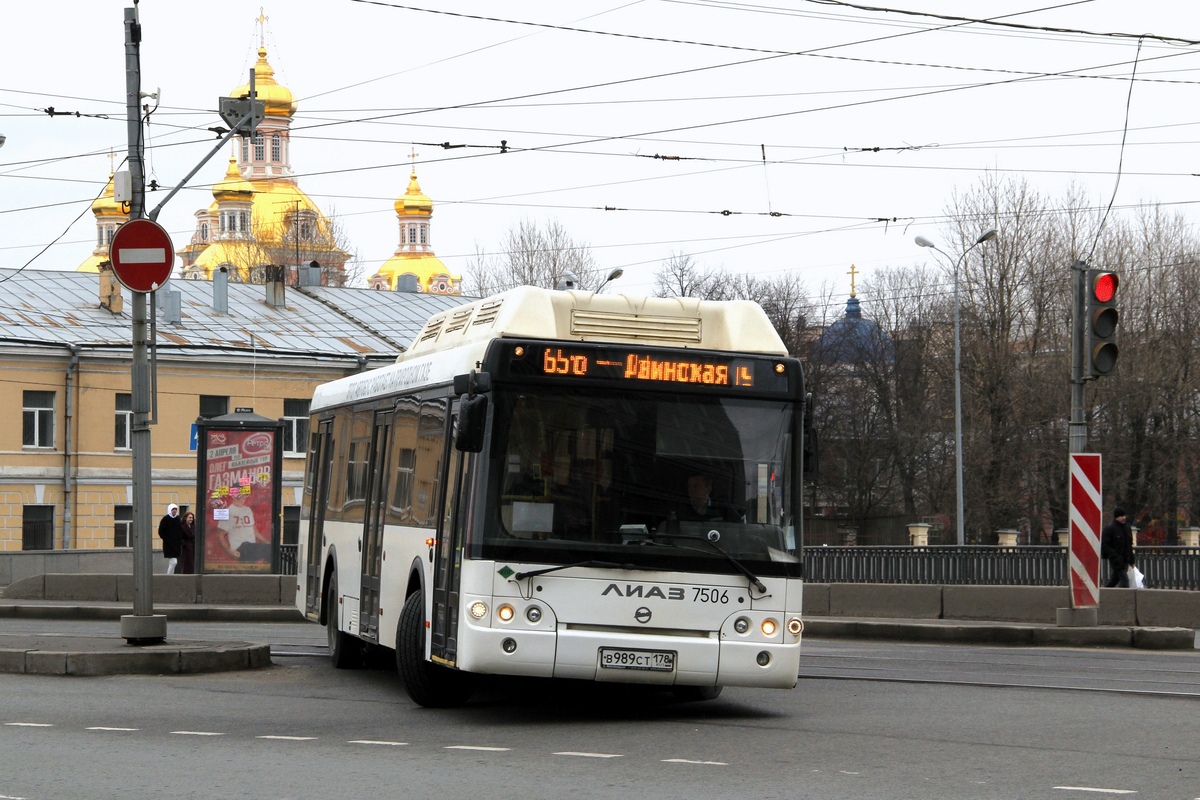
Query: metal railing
(287, 559)
(1025, 565)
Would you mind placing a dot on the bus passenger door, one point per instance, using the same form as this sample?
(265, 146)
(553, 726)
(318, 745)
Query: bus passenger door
(443, 636)
(320, 462)
(373, 521)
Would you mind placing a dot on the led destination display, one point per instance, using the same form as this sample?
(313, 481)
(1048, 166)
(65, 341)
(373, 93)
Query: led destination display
(616, 365)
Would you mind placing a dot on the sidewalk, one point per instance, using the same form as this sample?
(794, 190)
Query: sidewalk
(49, 654)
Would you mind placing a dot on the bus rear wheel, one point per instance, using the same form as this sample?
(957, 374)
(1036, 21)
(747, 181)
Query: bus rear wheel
(428, 684)
(345, 651)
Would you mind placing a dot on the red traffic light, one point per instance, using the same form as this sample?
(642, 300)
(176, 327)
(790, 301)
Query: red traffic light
(1104, 288)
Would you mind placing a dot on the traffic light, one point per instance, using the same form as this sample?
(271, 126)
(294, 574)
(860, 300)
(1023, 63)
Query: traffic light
(1101, 320)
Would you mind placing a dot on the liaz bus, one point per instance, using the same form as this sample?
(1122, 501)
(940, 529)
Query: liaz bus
(568, 485)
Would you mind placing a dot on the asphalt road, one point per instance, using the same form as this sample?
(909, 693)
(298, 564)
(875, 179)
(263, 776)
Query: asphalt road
(867, 720)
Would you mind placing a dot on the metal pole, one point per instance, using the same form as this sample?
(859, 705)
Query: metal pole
(143, 626)
(1077, 426)
(958, 436)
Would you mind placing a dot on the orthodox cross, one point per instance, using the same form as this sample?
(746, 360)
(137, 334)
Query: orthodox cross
(262, 27)
(853, 271)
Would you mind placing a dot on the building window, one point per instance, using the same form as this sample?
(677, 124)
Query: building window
(295, 427)
(38, 419)
(245, 149)
(213, 405)
(37, 528)
(244, 221)
(259, 149)
(122, 526)
(424, 234)
(122, 439)
(305, 230)
(204, 231)
(412, 234)
(109, 232)
(276, 148)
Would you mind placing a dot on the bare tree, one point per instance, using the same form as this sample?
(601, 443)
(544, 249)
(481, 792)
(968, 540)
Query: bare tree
(532, 256)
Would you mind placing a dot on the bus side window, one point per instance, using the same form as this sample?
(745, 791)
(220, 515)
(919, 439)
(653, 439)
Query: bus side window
(431, 439)
(403, 461)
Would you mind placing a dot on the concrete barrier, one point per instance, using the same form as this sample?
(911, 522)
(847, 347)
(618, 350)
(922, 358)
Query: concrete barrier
(265, 590)
(1167, 608)
(816, 600)
(1004, 603)
(885, 600)
(1118, 607)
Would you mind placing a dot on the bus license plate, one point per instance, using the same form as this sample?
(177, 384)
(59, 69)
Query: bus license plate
(652, 660)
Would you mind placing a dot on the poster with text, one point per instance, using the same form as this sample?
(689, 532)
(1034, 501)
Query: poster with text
(239, 488)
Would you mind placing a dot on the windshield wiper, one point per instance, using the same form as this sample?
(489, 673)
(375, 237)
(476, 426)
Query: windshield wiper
(673, 532)
(605, 564)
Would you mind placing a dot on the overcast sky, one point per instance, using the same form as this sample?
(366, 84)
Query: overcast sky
(590, 95)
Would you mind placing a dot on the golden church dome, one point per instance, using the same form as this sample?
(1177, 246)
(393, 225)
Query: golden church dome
(414, 201)
(234, 187)
(432, 275)
(277, 100)
(106, 206)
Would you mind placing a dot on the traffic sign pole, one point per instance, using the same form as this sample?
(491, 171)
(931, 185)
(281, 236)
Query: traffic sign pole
(143, 626)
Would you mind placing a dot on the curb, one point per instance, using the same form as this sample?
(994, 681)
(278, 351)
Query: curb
(95, 656)
(176, 613)
(984, 633)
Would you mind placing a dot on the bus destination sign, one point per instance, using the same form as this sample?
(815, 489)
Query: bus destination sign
(629, 366)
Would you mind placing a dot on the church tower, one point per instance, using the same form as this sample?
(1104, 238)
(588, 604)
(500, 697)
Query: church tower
(276, 223)
(110, 215)
(414, 267)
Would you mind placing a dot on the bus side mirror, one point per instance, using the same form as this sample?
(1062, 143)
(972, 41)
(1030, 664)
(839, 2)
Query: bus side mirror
(472, 419)
(811, 451)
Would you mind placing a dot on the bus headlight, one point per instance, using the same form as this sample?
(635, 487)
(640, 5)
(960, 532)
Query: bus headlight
(479, 609)
(741, 624)
(795, 626)
(505, 613)
(533, 614)
(769, 627)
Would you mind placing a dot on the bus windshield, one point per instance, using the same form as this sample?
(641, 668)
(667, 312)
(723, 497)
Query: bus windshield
(639, 478)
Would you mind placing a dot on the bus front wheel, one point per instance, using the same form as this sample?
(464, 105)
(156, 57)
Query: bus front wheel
(344, 650)
(428, 684)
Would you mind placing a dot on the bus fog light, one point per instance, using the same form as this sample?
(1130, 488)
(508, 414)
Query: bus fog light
(741, 624)
(763, 658)
(795, 626)
(505, 613)
(509, 645)
(533, 614)
(479, 609)
(769, 627)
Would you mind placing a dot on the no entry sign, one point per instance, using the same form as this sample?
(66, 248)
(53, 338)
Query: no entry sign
(142, 255)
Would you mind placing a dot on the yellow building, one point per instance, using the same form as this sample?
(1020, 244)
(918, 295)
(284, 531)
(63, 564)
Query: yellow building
(66, 468)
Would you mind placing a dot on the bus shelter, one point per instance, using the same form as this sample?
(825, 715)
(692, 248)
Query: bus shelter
(239, 510)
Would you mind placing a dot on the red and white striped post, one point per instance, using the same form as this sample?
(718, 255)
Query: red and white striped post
(1087, 506)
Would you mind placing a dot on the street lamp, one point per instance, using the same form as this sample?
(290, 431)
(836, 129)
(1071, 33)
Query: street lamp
(612, 276)
(986, 236)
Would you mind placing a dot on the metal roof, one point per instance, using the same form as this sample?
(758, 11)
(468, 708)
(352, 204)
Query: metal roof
(60, 308)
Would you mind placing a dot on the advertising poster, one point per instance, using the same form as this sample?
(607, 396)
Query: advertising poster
(239, 489)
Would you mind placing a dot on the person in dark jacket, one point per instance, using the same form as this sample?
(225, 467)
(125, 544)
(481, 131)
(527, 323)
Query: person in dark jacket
(1116, 545)
(170, 530)
(187, 549)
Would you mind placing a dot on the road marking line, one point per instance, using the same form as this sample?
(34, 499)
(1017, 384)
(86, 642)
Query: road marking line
(1094, 789)
(288, 738)
(474, 747)
(689, 761)
(30, 724)
(102, 728)
(588, 755)
(197, 733)
(10, 797)
(376, 741)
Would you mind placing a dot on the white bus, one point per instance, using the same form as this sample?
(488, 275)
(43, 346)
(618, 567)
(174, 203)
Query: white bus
(568, 485)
